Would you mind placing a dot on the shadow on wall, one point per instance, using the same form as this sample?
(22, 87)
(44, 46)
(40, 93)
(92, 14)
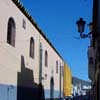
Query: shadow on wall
(27, 89)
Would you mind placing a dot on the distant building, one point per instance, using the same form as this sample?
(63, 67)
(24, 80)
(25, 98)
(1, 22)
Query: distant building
(80, 87)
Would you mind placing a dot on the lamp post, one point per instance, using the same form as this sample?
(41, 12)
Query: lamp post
(81, 27)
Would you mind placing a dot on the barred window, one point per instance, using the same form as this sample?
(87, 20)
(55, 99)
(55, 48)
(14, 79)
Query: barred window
(56, 66)
(32, 48)
(11, 32)
(24, 24)
(46, 58)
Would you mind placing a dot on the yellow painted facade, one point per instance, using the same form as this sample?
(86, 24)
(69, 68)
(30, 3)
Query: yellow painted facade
(67, 82)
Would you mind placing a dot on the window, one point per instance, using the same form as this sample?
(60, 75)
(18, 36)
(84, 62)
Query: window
(11, 32)
(91, 60)
(32, 48)
(24, 24)
(46, 58)
(56, 66)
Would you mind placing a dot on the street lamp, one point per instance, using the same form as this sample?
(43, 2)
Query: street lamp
(81, 26)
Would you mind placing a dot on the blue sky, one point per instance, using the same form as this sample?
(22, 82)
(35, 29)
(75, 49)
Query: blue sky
(57, 18)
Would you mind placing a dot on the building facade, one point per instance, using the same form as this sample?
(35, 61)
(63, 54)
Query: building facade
(67, 81)
(30, 66)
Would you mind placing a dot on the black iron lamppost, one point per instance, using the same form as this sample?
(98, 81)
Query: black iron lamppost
(81, 26)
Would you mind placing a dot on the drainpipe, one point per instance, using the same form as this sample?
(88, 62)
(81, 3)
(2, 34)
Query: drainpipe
(60, 82)
(40, 61)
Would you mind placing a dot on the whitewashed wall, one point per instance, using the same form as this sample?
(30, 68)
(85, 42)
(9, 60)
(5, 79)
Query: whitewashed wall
(10, 57)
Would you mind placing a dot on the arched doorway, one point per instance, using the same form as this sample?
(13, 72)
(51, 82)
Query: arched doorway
(51, 88)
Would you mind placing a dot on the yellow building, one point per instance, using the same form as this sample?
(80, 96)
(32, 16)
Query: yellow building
(67, 81)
